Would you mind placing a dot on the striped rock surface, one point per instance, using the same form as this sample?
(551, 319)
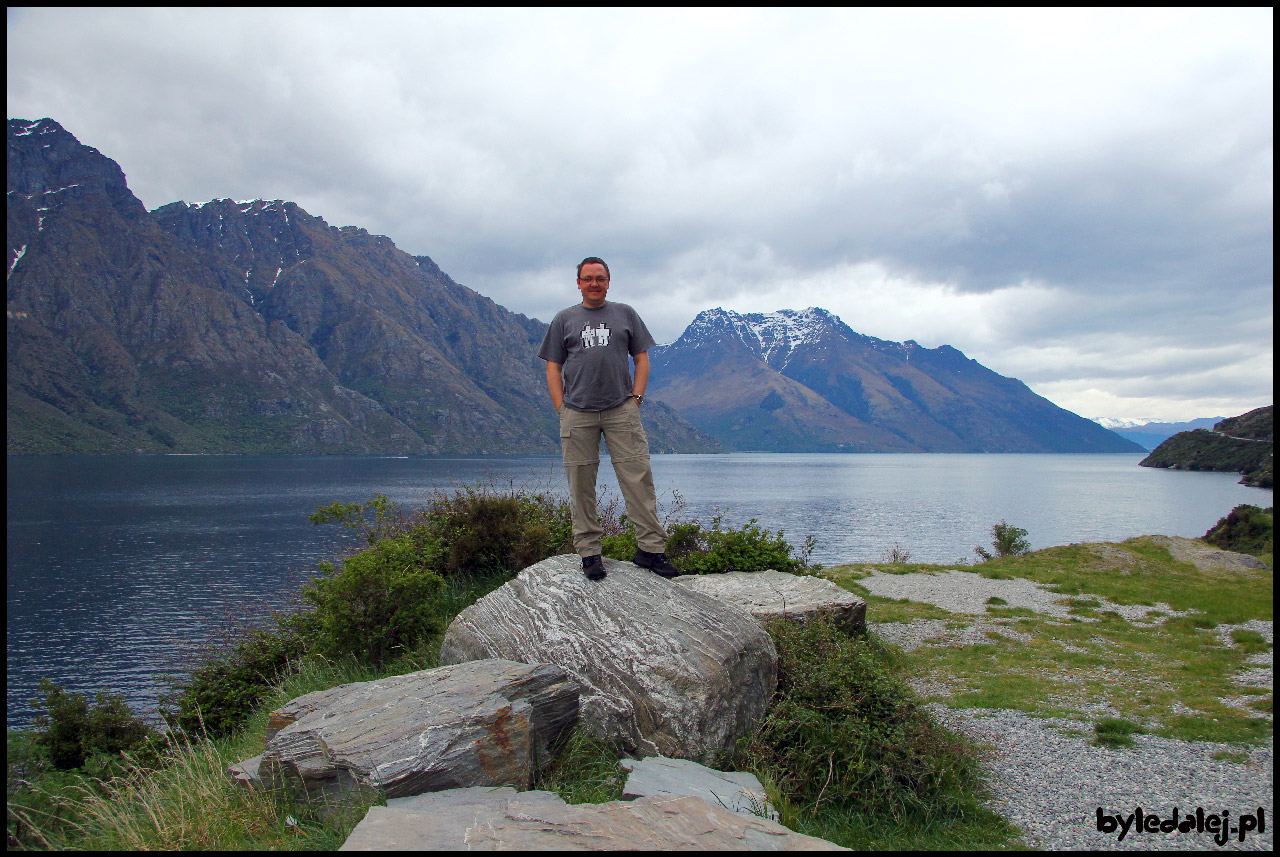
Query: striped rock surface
(484, 723)
(664, 670)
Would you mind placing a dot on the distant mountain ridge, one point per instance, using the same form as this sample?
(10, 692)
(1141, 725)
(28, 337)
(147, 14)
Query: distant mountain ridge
(1151, 433)
(803, 380)
(255, 326)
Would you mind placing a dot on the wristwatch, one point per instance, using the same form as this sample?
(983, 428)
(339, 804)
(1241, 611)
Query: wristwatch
(639, 399)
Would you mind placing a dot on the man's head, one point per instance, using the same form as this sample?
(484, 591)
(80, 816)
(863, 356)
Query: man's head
(593, 281)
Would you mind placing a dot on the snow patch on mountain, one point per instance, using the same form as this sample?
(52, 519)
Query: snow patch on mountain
(781, 333)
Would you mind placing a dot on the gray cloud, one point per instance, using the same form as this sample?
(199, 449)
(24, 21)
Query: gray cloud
(1091, 187)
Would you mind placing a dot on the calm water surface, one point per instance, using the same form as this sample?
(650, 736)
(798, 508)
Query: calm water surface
(118, 563)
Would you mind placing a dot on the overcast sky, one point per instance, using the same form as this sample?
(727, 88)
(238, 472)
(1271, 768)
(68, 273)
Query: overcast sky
(1078, 199)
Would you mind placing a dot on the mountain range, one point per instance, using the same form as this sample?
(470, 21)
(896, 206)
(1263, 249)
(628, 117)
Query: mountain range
(255, 326)
(805, 381)
(1151, 433)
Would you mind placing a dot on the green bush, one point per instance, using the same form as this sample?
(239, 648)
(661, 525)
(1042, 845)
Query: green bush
(74, 733)
(1007, 540)
(696, 550)
(386, 518)
(222, 691)
(1247, 529)
(504, 532)
(846, 734)
(620, 545)
(383, 601)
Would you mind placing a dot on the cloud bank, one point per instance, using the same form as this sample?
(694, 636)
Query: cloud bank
(1080, 199)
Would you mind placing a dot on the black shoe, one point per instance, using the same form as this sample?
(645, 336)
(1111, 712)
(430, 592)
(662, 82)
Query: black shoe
(656, 562)
(593, 567)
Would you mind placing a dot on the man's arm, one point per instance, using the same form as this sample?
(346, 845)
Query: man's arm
(555, 383)
(642, 373)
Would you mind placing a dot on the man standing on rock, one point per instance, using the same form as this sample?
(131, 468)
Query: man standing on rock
(589, 377)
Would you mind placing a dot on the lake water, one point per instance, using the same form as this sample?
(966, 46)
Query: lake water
(115, 563)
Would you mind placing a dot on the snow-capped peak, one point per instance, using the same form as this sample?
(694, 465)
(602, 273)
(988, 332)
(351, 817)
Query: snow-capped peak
(1123, 422)
(772, 336)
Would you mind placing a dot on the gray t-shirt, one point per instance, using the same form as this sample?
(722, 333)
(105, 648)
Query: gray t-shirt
(593, 346)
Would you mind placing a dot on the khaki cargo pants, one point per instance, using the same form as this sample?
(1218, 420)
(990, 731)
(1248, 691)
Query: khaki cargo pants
(629, 451)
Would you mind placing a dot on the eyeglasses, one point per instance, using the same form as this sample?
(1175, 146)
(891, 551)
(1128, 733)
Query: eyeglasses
(600, 281)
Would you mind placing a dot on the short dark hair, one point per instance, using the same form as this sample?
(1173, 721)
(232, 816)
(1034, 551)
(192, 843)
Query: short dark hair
(593, 260)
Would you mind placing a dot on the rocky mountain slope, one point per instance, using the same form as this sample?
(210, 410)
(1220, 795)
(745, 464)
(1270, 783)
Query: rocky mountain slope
(805, 381)
(248, 327)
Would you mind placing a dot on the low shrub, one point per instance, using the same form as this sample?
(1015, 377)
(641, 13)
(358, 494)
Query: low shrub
(846, 734)
(896, 554)
(1247, 529)
(486, 532)
(383, 601)
(75, 733)
(694, 549)
(224, 689)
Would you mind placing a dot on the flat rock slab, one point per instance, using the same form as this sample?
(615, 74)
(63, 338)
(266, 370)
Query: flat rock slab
(483, 723)
(458, 801)
(437, 821)
(772, 594)
(736, 791)
(665, 670)
(518, 824)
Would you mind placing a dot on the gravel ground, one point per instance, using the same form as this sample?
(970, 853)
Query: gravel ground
(1050, 782)
(968, 591)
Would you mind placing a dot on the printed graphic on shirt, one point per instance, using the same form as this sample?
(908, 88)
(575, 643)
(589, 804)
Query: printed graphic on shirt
(593, 336)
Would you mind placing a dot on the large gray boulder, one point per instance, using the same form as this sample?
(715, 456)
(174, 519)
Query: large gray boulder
(482, 723)
(772, 594)
(541, 821)
(664, 670)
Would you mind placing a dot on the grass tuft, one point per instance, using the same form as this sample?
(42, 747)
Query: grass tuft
(1115, 732)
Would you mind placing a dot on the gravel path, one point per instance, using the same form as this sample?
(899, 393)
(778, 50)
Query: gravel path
(1051, 782)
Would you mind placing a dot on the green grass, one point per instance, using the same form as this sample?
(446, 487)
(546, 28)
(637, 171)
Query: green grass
(1115, 732)
(1149, 671)
(585, 771)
